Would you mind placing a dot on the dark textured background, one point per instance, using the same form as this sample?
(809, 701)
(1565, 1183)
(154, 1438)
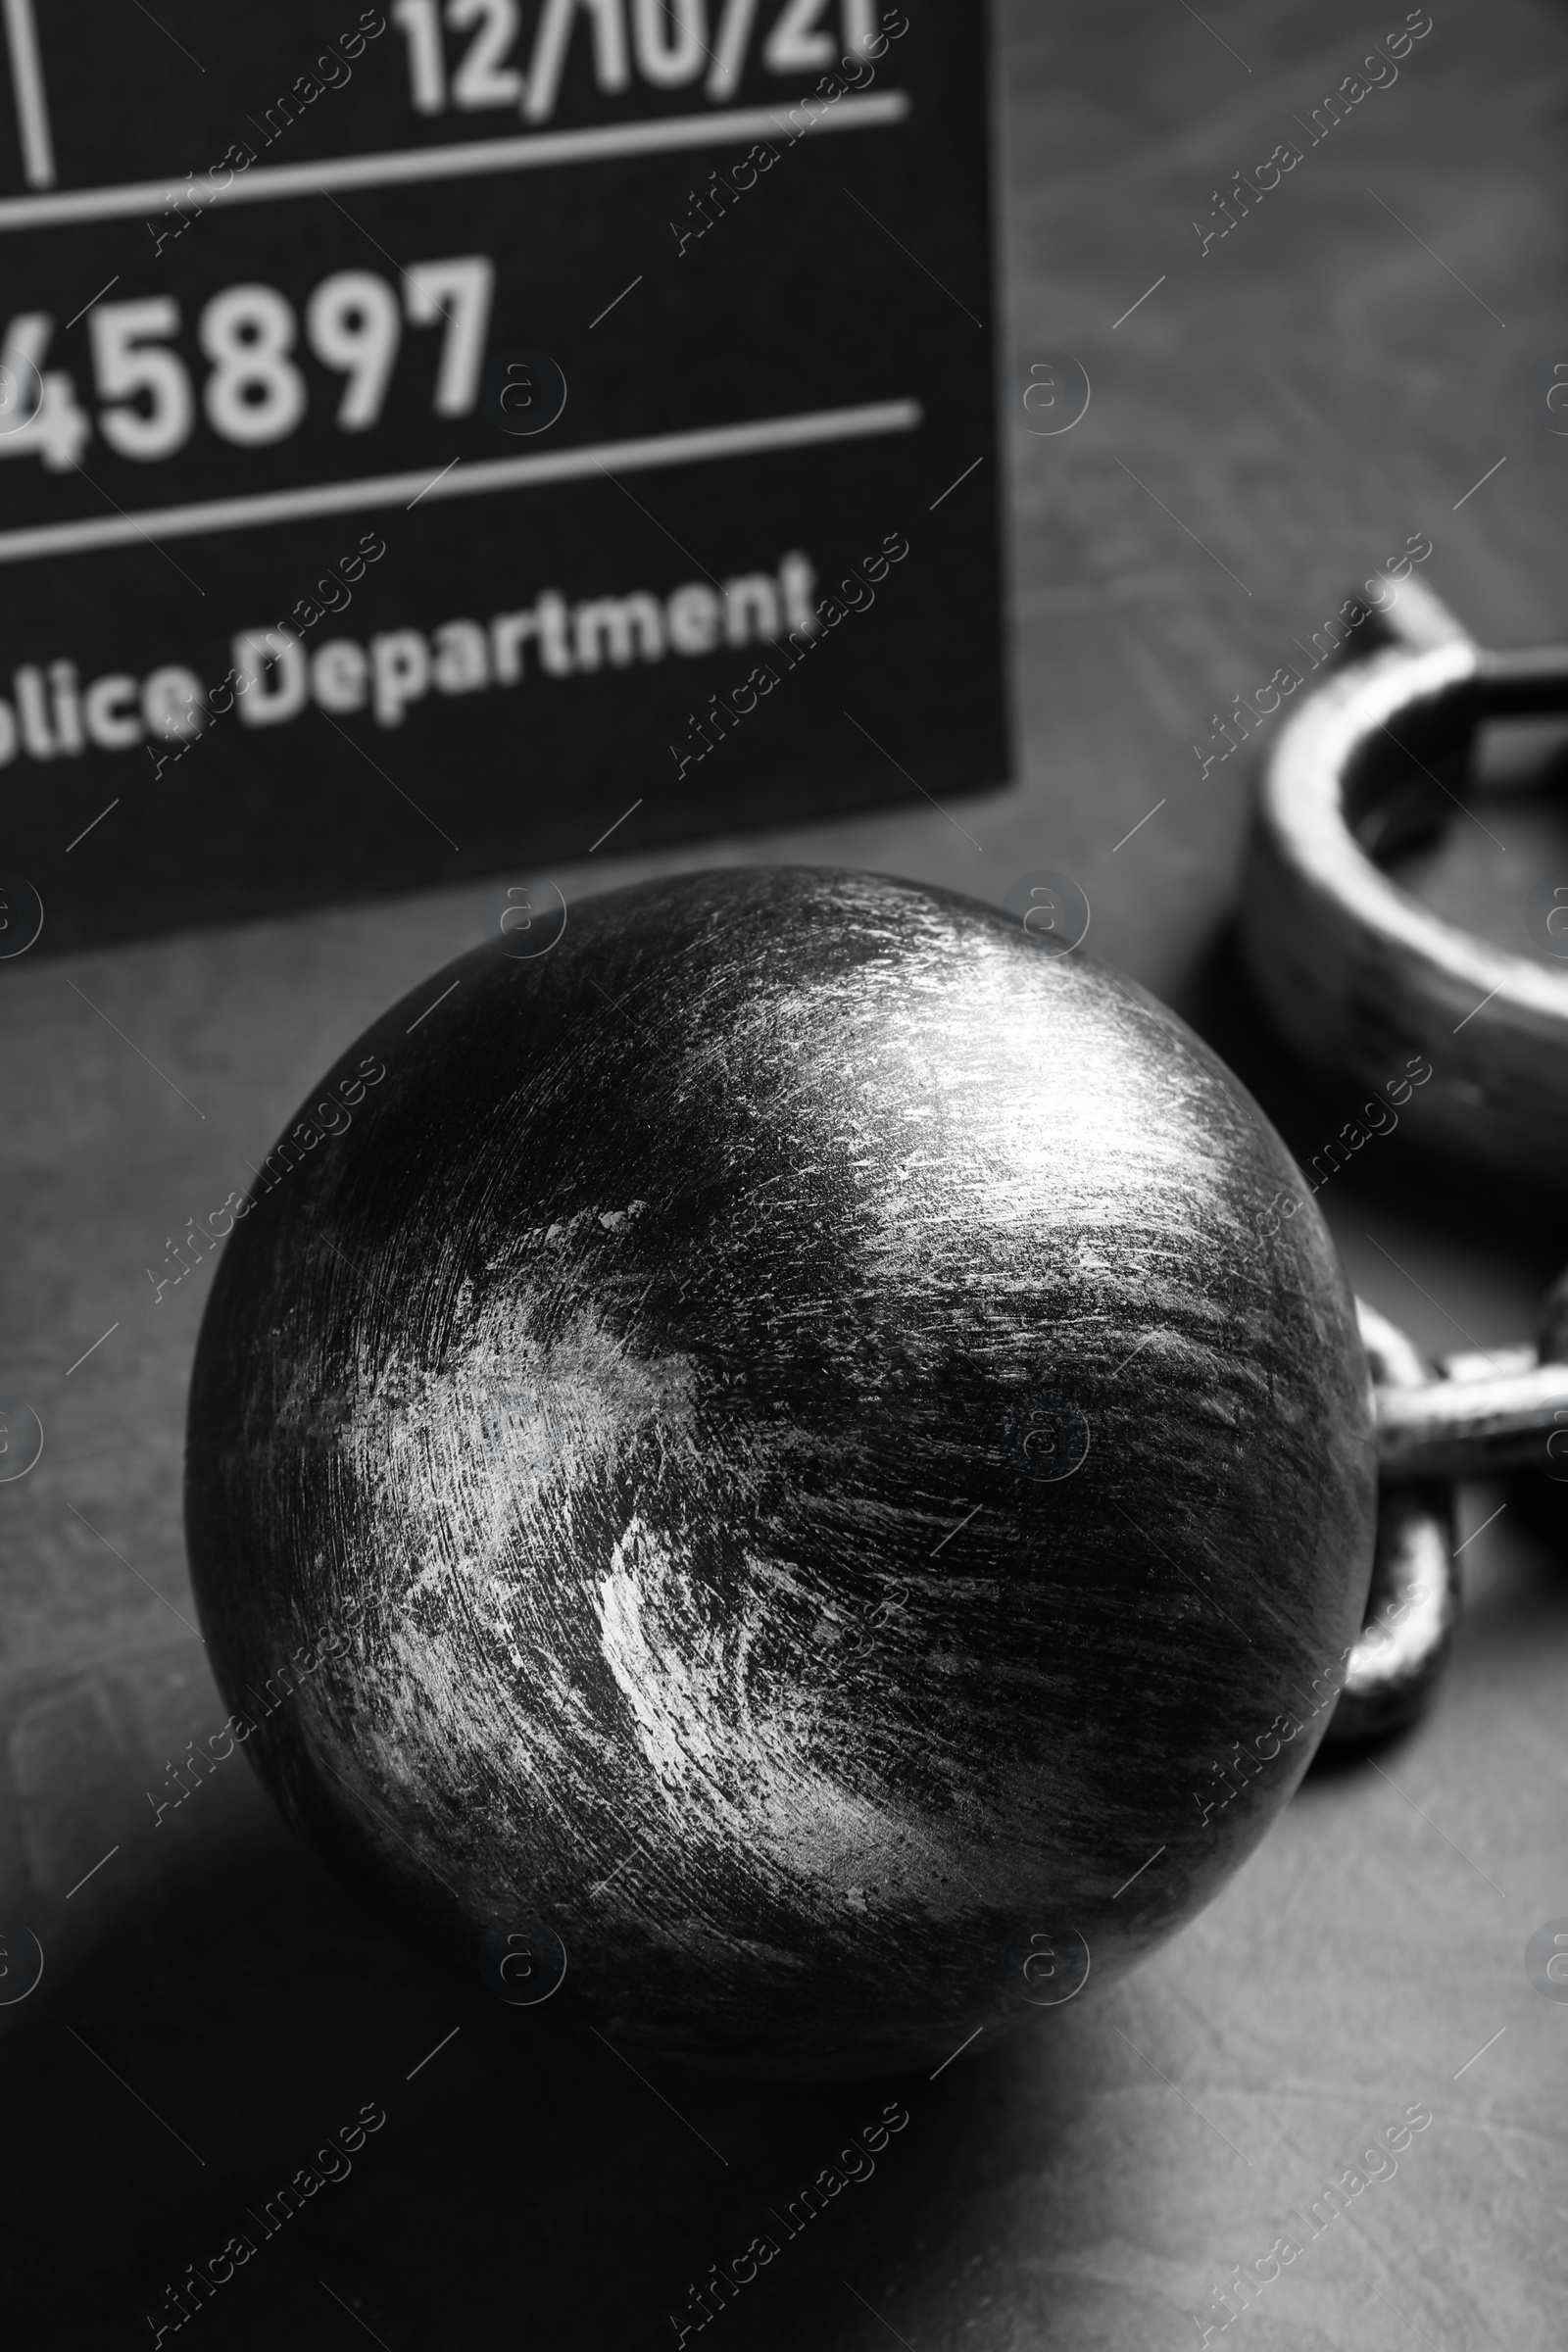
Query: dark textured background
(1302, 400)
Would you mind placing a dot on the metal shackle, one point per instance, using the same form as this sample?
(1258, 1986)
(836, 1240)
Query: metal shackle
(1355, 971)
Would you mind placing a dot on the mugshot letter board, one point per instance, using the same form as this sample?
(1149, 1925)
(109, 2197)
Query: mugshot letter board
(311, 584)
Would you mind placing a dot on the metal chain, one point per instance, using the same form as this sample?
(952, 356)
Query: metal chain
(1506, 1409)
(1467, 1416)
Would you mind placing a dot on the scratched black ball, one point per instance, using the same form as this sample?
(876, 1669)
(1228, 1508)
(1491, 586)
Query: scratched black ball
(760, 1463)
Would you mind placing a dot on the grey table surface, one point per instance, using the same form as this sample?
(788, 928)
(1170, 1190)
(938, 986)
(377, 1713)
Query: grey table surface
(1277, 417)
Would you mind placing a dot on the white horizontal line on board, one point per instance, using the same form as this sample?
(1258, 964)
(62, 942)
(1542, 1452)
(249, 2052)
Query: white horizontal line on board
(466, 481)
(263, 183)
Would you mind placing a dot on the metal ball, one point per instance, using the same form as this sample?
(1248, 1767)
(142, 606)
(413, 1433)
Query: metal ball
(789, 1478)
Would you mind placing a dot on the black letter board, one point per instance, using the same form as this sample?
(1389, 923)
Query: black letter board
(429, 433)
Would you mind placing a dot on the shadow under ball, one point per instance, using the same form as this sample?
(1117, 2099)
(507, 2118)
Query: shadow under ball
(782, 1443)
